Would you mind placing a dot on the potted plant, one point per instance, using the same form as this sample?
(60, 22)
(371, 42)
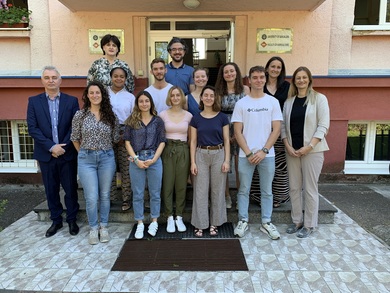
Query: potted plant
(11, 15)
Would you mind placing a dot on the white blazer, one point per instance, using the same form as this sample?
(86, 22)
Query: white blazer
(317, 121)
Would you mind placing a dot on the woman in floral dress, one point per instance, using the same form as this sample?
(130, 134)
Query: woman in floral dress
(101, 68)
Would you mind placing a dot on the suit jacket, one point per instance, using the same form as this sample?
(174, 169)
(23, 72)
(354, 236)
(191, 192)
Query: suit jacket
(39, 125)
(317, 120)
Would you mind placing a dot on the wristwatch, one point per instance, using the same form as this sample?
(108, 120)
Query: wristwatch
(265, 150)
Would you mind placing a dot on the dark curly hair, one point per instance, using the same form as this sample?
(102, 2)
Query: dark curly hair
(221, 85)
(107, 116)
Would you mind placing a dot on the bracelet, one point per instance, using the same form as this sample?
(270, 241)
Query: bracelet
(250, 154)
(135, 158)
(311, 145)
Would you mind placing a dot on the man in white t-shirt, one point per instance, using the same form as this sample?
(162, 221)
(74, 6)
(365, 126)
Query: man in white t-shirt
(159, 89)
(257, 120)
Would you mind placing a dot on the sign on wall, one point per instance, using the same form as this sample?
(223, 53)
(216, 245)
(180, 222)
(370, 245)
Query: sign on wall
(274, 40)
(95, 36)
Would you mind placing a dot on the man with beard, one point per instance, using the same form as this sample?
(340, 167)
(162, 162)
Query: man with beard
(178, 73)
(159, 89)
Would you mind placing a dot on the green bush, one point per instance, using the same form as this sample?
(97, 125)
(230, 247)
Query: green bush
(3, 203)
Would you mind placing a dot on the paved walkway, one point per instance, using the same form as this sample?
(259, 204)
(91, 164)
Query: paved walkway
(339, 257)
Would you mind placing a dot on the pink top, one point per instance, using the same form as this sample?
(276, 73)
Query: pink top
(176, 130)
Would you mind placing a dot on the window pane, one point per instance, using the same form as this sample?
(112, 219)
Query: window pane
(367, 12)
(382, 143)
(388, 11)
(202, 25)
(200, 47)
(25, 142)
(5, 135)
(356, 141)
(160, 25)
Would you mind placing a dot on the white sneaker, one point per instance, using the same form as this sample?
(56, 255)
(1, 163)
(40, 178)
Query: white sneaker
(171, 225)
(139, 233)
(228, 202)
(270, 230)
(93, 237)
(241, 228)
(104, 236)
(180, 225)
(153, 227)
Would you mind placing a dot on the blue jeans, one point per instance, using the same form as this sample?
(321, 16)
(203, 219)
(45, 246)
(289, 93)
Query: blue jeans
(96, 169)
(138, 178)
(266, 170)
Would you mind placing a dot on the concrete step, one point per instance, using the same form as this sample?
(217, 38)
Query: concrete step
(281, 215)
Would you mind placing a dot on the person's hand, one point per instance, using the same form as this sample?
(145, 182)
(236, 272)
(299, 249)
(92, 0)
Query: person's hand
(303, 151)
(291, 151)
(194, 169)
(58, 150)
(141, 164)
(149, 162)
(257, 157)
(225, 167)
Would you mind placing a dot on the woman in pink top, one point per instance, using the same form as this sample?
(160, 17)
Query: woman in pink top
(175, 158)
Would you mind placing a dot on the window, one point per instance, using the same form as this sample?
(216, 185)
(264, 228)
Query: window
(16, 148)
(368, 148)
(200, 47)
(372, 12)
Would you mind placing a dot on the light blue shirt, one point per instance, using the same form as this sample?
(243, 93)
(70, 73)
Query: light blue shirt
(54, 106)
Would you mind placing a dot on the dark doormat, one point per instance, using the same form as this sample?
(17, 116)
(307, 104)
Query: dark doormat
(181, 255)
(225, 231)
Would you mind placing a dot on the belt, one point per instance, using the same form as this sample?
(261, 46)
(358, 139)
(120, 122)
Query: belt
(211, 147)
(176, 142)
(145, 152)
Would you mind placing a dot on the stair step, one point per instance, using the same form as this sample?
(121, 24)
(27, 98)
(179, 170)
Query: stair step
(281, 215)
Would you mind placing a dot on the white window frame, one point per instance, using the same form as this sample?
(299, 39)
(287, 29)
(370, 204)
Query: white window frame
(368, 165)
(383, 12)
(18, 165)
(383, 25)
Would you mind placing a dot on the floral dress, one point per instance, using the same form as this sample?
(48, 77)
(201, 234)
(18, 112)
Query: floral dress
(101, 68)
(227, 103)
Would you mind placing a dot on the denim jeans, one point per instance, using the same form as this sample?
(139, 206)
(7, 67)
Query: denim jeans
(138, 178)
(266, 170)
(96, 169)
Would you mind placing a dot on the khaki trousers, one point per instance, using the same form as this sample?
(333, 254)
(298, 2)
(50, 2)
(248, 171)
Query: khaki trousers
(303, 175)
(176, 167)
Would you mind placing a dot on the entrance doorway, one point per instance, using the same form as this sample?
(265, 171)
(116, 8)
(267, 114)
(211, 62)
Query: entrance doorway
(209, 42)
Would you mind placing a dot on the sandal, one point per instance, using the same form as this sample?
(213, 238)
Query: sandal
(125, 206)
(276, 205)
(198, 233)
(213, 231)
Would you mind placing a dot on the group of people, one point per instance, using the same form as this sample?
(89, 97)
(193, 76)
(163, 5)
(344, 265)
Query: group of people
(181, 129)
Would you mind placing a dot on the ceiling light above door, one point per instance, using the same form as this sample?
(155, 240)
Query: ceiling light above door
(191, 4)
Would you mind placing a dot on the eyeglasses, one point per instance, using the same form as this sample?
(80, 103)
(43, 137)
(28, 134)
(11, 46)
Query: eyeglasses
(176, 49)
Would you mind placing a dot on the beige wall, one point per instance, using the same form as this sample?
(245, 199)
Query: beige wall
(355, 54)
(322, 40)
(311, 31)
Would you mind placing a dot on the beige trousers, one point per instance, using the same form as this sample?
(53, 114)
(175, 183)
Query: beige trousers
(209, 178)
(303, 175)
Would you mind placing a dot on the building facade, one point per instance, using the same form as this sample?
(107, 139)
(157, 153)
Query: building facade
(345, 43)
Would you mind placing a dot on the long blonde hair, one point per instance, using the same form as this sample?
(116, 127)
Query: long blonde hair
(311, 93)
(135, 119)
